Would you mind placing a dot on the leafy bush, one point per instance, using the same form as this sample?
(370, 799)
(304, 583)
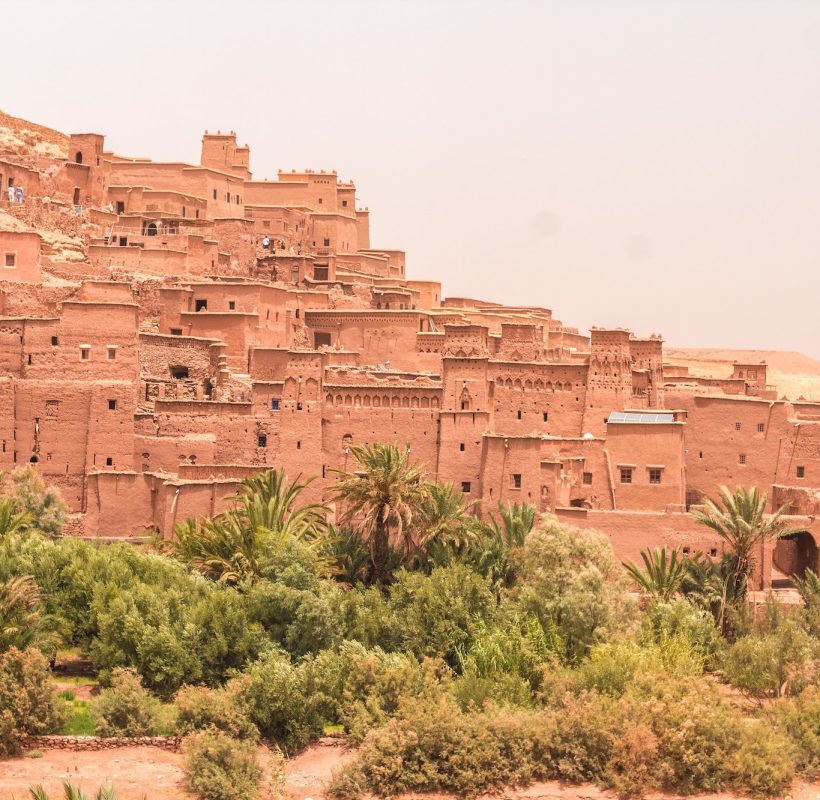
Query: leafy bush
(200, 708)
(126, 708)
(360, 689)
(280, 700)
(43, 504)
(770, 664)
(28, 703)
(799, 718)
(764, 763)
(569, 580)
(439, 612)
(434, 746)
(218, 767)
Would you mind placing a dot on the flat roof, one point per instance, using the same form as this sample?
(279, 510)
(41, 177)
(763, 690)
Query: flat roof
(641, 417)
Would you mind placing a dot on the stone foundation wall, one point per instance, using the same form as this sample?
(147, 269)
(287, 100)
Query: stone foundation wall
(82, 743)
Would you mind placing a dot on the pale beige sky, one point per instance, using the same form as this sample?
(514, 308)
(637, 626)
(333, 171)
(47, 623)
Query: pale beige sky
(645, 163)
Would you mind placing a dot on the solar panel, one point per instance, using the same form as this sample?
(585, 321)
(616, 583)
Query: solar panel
(641, 417)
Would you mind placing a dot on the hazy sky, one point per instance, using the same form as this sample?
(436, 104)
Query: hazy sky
(652, 165)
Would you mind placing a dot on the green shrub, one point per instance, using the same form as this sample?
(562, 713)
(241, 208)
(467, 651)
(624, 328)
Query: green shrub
(779, 662)
(570, 581)
(218, 767)
(360, 689)
(127, 708)
(434, 746)
(799, 718)
(28, 703)
(764, 763)
(280, 701)
(438, 612)
(200, 708)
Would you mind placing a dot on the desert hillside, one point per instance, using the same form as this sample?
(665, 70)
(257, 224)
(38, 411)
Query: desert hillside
(794, 374)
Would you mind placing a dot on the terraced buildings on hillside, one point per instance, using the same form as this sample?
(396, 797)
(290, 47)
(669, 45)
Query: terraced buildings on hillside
(169, 328)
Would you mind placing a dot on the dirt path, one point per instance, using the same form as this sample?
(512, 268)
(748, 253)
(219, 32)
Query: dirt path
(154, 774)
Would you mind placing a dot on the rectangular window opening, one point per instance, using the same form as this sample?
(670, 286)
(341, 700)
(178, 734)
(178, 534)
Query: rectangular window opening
(516, 480)
(466, 487)
(626, 474)
(587, 478)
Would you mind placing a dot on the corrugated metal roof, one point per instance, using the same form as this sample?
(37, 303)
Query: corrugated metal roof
(641, 417)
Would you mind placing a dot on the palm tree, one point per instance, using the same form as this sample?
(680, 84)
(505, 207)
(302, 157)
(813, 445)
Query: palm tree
(73, 792)
(20, 619)
(447, 527)
(662, 577)
(504, 533)
(743, 524)
(268, 501)
(387, 496)
(230, 547)
(11, 519)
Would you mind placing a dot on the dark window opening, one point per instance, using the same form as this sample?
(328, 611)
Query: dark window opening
(588, 478)
(274, 404)
(626, 475)
(11, 259)
(741, 459)
(466, 487)
(214, 194)
(738, 426)
(299, 406)
(327, 242)
(200, 305)
(123, 241)
(179, 373)
(112, 405)
(520, 414)
(54, 341)
(231, 305)
(85, 354)
(321, 339)
(298, 445)
(320, 273)
(176, 331)
(546, 416)
(461, 447)
(109, 462)
(29, 359)
(761, 427)
(262, 440)
(801, 472)
(713, 552)
(78, 157)
(516, 480)
(655, 475)
(120, 206)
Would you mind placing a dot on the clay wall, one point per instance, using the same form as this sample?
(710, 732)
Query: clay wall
(20, 256)
(12, 174)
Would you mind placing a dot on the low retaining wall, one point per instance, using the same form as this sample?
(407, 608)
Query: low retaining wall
(80, 743)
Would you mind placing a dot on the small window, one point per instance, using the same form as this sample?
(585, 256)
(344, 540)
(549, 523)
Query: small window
(741, 459)
(298, 445)
(123, 241)
(655, 475)
(738, 426)
(112, 353)
(183, 211)
(713, 552)
(10, 260)
(546, 416)
(626, 474)
(516, 480)
(274, 404)
(297, 313)
(54, 341)
(85, 353)
(179, 373)
(344, 203)
(176, 331)
(466, 487)
(109, 462)
(200, 305)
(112, 405)
(262, 440)
(327, 242)
(214, 194)
(700, 454)
(687, 550)
(801, 472)
(520, 414)
(461, 447)
(299, 405)
(120, 206)
(761, 427)
(320, 201)
(587, 478)
(231, 305)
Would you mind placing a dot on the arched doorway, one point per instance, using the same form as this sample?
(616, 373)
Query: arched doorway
(78, 157)
(793, 555)
(151, 229)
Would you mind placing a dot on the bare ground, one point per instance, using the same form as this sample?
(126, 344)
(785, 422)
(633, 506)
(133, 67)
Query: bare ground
(155, 774)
